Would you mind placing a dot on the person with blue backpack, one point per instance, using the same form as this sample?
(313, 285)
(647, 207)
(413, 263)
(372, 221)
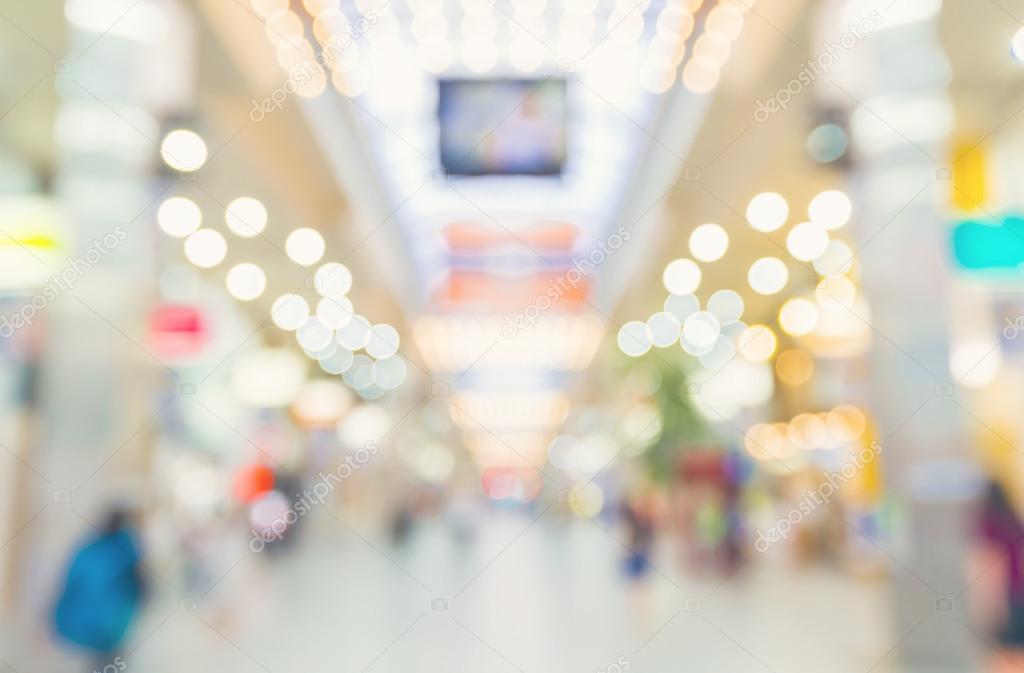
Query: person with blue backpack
(103, 590)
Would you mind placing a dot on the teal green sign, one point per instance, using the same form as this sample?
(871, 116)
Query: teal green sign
(989, 245)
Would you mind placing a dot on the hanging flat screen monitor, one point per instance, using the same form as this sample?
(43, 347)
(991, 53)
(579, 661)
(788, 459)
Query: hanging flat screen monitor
(502, 126)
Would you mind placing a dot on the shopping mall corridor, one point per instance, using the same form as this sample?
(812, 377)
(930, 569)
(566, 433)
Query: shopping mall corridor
(531, 593)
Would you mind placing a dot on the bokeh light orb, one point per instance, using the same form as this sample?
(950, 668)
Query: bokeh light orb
(179, 216)
(206, 248)
(768, 275)
(305, 246)
(767, 211)
(709, 242)
(681, 276)
(246, 281)
(183, 150)
(246, 217)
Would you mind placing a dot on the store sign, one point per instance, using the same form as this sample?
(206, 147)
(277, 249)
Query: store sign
(989, 245)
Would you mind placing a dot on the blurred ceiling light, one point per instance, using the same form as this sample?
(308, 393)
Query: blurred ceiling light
(383, 341)
(183, 150)
(206, 248)
(320, 404)
(335, 312)
(726, 305)
(246, 281)
(975, 363)
(434, 57)
(143, 21)
(313, 335)
(674, 23)
(709, 242)
(700, 75)
(807, 241)
(479, 56)
(767, 211)
(794, 366)
(355, 333)
(832, 209)
(664, 329)
(712, 48)
(658, 78)
(700, 332)
(507, 410)
(681, 306)
(333, 280)
(179, 216)
(390, 372)
(289, 311)
(268, 377)
(768, 275)
(283, 27)
(635, 338)
(836, 289)
(305, 246)
(338, 362)
(562, 342)
(681, 276)
(827, 143)
(246, 217)
(1017, 46)
(846, 423)
(317, 7)
(363, 427)
(836, 260)
(724, 20)
(798, 317)
(757, 343)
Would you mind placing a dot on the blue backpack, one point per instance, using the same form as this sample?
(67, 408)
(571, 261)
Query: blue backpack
(101, 593)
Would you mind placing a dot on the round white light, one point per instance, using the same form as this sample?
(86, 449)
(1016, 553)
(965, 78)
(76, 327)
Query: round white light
(305, 246)
(246, 282)
(354, 335)
(289, 311)
(179, 217)
(767, 211)
(768, 275)
(1017, 46)
(836, 260)
(389, 373)
(726, 305)
(757, 343)
(798, 317)
(382, 342)
(314, 335)
(333, 280)
(708, 242)
(635, 338)
(246, 217)
(681, 306)
(975, 363)
(807, 241)
(702, 330)
(206, 248)
(664, 328)
(183, 150)
(681, 276)
(337, 362)
(831, 209)
(335, 312)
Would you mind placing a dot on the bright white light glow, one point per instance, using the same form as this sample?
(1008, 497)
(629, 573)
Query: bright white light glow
(767, 211)
(768, 275)
(183, 150)
(333, 280)
(831, 209)
(708, 242)
(798, 317)
(246, 282)
(681, 276)
(314, 335)
(335, 312)
(383, 341)
(726, 305)
(664, 328)
(289, 311)
(179, 217)
(206, 248)
(635, 338)
(807, 241)
(700, 331)
(246, 217)
(305, 246)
